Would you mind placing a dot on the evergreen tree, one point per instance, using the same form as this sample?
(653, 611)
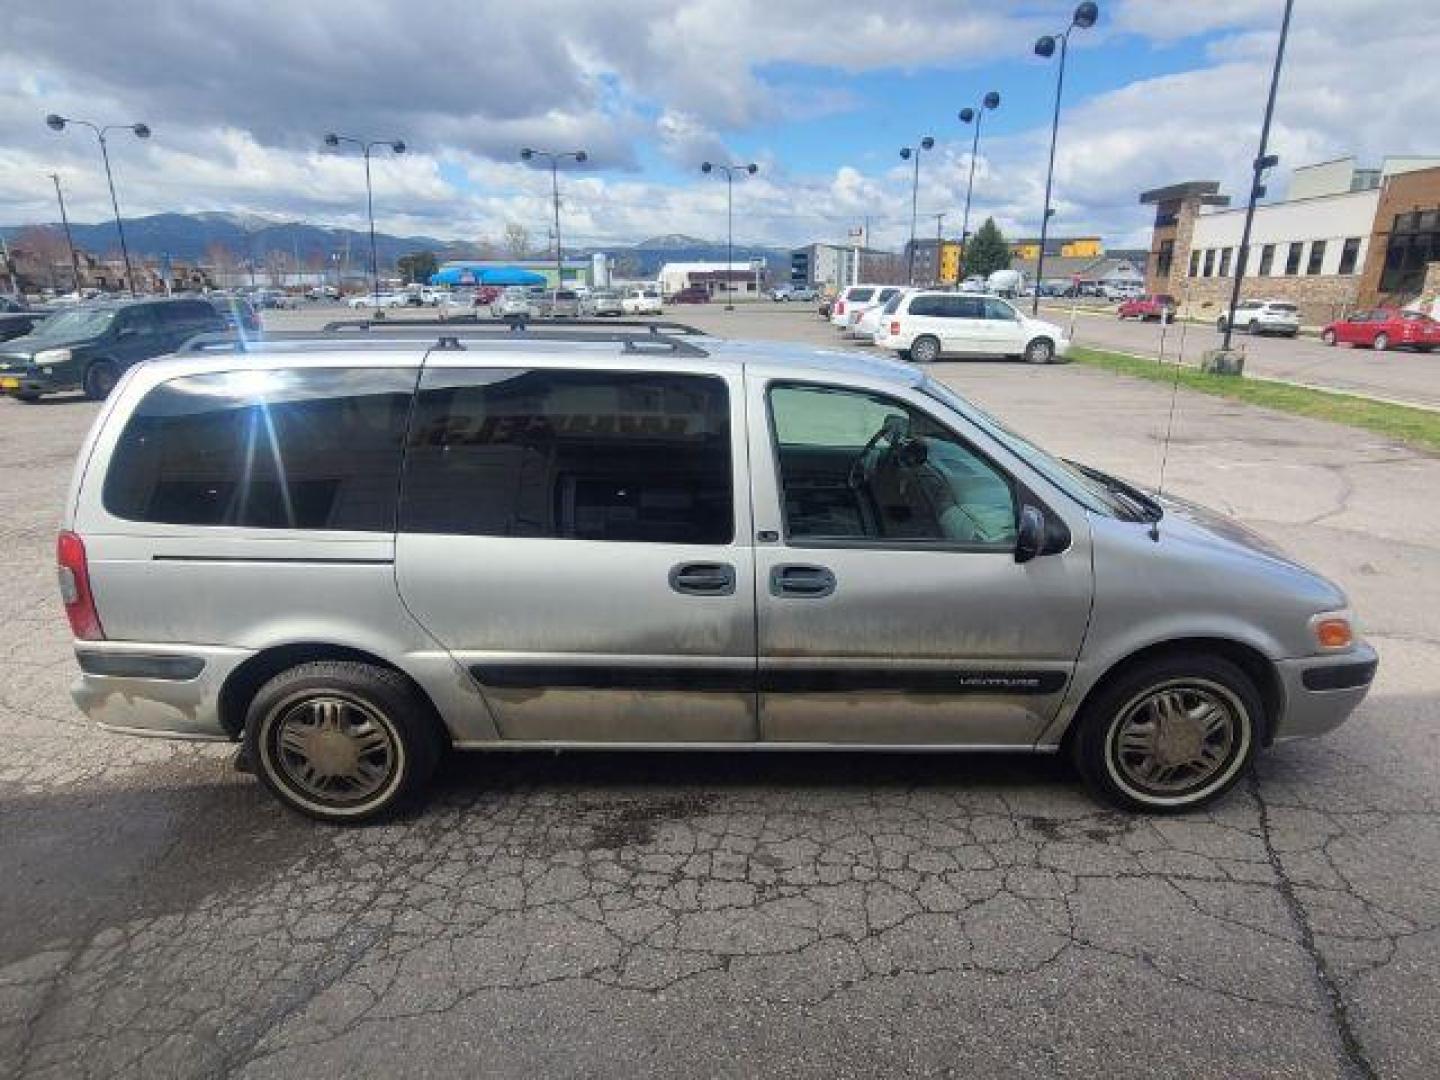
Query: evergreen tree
(987, 251)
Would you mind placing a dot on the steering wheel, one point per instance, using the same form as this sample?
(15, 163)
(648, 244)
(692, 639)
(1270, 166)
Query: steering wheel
(861, 469)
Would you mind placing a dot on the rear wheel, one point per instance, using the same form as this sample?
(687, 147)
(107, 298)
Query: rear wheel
(341, 741)
(100, 379)
(1170, 734)
(925, 350)
(1382, 342)
(1040, 351)
(1329, 338)
(1253, 328)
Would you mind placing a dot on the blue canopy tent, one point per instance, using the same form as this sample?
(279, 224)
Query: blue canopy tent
(477, 274)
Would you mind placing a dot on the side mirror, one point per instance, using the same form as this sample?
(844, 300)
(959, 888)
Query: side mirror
(1029, 534)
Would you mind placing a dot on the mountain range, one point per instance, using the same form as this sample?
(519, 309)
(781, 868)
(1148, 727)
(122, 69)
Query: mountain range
(195, 237)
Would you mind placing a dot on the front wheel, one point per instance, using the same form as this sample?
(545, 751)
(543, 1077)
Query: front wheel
(1329, 338)
(1382, 342)
(100, 379)
(925, 350)
(1040, 351)
(1170, 734)
(341, 741)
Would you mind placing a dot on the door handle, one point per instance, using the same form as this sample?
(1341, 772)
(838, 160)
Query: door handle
(703, 579)
(811, 582)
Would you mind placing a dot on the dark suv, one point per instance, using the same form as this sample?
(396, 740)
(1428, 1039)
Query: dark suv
(87, 347)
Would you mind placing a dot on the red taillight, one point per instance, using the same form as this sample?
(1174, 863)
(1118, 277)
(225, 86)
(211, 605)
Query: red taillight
(895, 328)
(75, 588)
(839, 307)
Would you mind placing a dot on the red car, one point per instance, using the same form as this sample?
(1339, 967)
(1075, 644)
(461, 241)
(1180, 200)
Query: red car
(691, 294)
(1385, 328)
(1148, 307)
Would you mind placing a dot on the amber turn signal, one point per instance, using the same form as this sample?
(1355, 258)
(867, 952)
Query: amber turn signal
(1333, 633)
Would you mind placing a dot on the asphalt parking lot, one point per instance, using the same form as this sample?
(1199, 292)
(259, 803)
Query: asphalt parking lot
(750, 915)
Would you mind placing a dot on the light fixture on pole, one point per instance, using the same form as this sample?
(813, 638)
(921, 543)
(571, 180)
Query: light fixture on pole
(580, 156)
(906, 154)
(989, 101)
(57, 122)
(729, 171)
(1085, 16)
(1262, 162)
(366, 145)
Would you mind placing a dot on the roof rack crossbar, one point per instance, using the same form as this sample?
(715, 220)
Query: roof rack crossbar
(453, 338)
(516, 323)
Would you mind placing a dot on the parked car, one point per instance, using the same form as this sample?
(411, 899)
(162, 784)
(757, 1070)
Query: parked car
(380, 300)
(564, 304)
(928, 325)
(89, 346)
(1264, 317)
(323, 292)
(868, 325)
(1121, 290)
(691, 294)
(14, 324)
(1385, 328)
(794, 291)
(853, 302)
(925, 577)
(512, 303)
(238, 313)
(606, 302)
(642, 300)
(1151, 306)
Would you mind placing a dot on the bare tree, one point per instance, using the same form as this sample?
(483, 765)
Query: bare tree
(42, 256)
(517, 240)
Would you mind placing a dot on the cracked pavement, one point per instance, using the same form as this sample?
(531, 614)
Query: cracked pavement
(745, 914)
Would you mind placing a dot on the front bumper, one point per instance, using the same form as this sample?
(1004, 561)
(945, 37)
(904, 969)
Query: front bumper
(1320, 692)
(166, 690)
(21, 381)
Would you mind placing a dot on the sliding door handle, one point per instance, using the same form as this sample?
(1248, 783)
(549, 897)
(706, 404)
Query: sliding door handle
(811, 582)
(703, 579)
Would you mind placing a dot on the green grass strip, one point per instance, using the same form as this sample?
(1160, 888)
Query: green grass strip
(1419, 427)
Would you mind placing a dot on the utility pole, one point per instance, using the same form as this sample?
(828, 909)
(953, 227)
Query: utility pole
(939, 242)
(69, 240)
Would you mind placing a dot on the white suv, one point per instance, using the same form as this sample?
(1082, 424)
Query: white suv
(928, 325)
(853, 302)
(641, 300)
(1264, 317)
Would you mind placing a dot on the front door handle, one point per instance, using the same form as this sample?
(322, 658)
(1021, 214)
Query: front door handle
(811, 582)
(703, 579)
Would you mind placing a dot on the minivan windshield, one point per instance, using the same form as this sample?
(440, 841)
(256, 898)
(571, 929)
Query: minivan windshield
(1090, 487)
(75, 324)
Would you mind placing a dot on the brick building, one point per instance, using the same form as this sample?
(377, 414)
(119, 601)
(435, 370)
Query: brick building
(1346, 238)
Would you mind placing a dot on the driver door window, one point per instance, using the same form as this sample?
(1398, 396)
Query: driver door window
(861, 468)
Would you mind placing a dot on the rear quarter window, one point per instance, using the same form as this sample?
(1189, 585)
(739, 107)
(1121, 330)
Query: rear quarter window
(316, 449)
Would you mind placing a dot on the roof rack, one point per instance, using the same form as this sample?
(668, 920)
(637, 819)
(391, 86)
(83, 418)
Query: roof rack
(633, 336)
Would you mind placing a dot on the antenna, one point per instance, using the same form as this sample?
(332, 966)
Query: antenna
(1174, 393)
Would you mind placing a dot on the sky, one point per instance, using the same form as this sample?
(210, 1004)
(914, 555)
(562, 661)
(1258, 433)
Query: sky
(820, 94)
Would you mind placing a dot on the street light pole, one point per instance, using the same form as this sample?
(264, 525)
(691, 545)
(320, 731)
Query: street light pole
(1084, 17)
(580, 156)
(989, 101)
(729, 171)
(69, 240)
(1263, 161)
(939, 241)
(57, 122)
(906, 153)
(333, 140)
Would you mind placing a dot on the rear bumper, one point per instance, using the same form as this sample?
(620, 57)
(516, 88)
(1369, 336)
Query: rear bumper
(165, 690)
(1321, 692)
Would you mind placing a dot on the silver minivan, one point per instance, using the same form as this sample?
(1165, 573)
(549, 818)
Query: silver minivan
(353, 556)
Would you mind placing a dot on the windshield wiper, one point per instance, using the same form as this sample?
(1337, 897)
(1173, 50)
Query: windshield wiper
(1146, 507)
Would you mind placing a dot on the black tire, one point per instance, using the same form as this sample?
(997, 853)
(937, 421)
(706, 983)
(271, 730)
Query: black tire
(380, 722)
(1220, 324)
(1104, 743)
(27, 397)
(925, 349)
(100, 378)
(1253, 328)
(1040, 351)
(1382, 342)
(1328, 337)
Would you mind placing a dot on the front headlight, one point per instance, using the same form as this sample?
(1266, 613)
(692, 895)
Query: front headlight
(52, 356)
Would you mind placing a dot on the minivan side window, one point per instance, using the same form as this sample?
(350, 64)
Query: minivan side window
(314, 449)
(583, 455)
(858, 467)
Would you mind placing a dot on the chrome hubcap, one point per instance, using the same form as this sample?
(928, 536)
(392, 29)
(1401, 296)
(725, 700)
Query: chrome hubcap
(335, 749)
(1176, 738)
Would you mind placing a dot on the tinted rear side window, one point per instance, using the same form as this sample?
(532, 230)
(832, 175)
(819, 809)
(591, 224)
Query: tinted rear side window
(859, 296)
(315, 449)
(587, 455)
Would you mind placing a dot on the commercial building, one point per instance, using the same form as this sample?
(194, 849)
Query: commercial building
(743, 278)
(1346, 237)
(936, 261)
(1068, 247)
